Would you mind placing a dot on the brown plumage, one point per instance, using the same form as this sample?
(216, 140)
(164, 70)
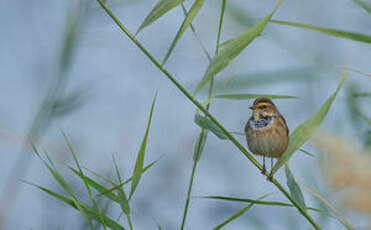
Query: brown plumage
(267, 133)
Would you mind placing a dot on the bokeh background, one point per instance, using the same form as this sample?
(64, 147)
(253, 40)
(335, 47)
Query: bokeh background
(107, 85)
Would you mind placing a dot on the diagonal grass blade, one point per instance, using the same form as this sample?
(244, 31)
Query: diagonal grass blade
(161, 8)
(251, 96)
(90, 212)
(332, 32)
(208, 124)
(186, 22)
(294, 188)
(231, 49)
(306, 129)
(140, 158)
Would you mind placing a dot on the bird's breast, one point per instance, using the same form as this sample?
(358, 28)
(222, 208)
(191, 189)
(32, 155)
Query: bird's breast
(266, 137)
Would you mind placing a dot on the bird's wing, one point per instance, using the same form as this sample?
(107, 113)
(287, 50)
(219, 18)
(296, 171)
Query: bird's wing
(287, 128)
(247, 126)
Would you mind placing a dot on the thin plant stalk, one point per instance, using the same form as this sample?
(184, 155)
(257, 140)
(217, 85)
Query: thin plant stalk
(203, 133)
(224, 2)
(129, 221)
(327, 203)
(195, 161)
(85, 181)
(206, 112)
(195, 34)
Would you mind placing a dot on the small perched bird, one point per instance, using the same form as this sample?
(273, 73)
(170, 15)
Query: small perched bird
(266, 131)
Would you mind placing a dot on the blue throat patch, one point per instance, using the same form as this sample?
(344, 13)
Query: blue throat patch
(262, 123)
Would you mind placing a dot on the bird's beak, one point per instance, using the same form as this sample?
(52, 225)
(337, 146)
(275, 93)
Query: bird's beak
(252, 108)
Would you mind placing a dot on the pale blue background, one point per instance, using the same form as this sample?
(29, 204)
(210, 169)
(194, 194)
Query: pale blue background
(121, 82)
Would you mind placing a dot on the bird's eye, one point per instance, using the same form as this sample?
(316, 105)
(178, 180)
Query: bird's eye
(264, 106)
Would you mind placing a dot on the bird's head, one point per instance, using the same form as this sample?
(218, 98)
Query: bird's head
(263, 108)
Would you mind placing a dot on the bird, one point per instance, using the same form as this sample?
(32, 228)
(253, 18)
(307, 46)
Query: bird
(266, 131)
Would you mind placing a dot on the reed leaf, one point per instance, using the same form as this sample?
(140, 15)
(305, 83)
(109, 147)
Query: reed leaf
(273, 203)
(124, 203)
(237, 214)
(140, 158)
(85, 180)
(231, 49)
(306, 129)
(294, 188)
(332, 32)
(306, 152)
(126, 181)
(342, 219)
(236, 199)
(366, 6)
(200, 144)
(89, 211)
(251, 96)
(161, 8)
(250, 80)
(99, 187)
(208, 124)
(186, 22)
(64, 185)
(361, 95)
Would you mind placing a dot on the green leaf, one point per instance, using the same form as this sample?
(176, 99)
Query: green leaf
(339, 216)
(157, 223)
(239, 14)
(161, 8)
(251, 96)
(85, 180)
(250, 80)
(223, 44)
(232, 49)
(69, 103)
(332, 32)
(271, 203)
(361, 95)
(224, 3)
(100, 188)
(71, 33)
(308, 153)
(126, 181)
(236, 215)
(186, 22)
(138, 170)
(199, 147)
(295, 190)
(364, 5)
(206, 123)
(63, 184)
(124, 203)
(89, 211)
(196, 36)
(354, 106)
(305, 130)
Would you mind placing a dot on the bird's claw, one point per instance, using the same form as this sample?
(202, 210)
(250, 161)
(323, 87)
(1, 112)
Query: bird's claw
(264, 171)
(270, 177)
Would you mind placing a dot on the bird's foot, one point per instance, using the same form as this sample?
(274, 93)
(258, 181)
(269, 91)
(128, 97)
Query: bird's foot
(264, 170)
(270, 177)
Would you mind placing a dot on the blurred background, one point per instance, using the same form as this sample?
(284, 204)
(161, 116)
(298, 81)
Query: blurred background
(71, 70)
